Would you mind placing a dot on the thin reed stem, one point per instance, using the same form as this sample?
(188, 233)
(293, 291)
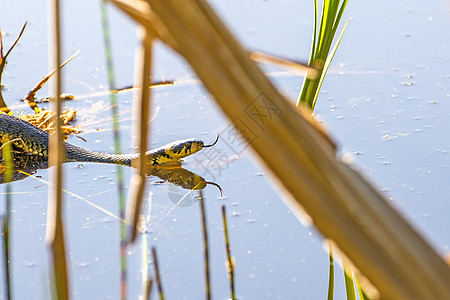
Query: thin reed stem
(116, 135)
(3, 58)
(230, 264)
(55, 226)
(141, 102)
(148, 288)
(157, 276)
(205, 245)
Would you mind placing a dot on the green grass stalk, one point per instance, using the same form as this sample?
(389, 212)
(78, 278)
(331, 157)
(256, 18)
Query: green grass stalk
(349, 283)
(230, 264)
(6, 218)
(331, 273)
(146, 280)
(320, 58)
(323, 36)
(115, 120)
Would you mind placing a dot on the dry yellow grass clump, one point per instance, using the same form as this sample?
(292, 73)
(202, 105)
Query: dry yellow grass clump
(44, 120)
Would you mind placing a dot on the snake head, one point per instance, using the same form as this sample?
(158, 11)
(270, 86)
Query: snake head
(175, 151)
(183, 148)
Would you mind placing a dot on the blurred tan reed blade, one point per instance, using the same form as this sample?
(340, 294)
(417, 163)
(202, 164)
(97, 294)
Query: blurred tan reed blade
(296, 66)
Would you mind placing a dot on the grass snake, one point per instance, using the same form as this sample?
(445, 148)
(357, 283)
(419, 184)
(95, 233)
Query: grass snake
(32, 140)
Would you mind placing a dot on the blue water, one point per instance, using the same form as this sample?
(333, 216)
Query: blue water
(385, 101)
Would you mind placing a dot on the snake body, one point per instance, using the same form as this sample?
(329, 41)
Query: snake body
(34, 141)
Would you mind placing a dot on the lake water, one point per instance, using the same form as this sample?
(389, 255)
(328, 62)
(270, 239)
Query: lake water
(386, 101)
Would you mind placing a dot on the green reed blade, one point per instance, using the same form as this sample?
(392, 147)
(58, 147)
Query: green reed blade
(327, 65)
(349, 284)
(116, 135)
(332, 11)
